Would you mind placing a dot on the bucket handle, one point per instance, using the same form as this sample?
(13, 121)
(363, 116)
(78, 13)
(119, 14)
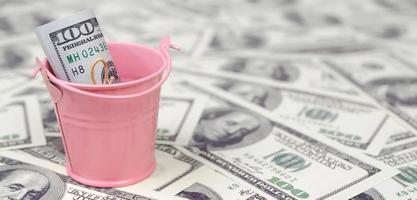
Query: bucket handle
(57, 94)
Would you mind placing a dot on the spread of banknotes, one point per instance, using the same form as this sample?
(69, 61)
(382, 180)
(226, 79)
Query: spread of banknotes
(268, 100)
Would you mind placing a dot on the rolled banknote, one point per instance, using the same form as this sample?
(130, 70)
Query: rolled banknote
(76, 49)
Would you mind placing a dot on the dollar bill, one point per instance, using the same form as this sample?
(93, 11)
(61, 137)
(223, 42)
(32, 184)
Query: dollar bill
(178, 117)
(180, 174)
(176, 85)
(389, 81)
(276, 160)
(21, 123)
(397, 134)
(175, 173)
(75, 46)
(399, 187)
(391, 133)
(332, 117)
(261, 96)
(297, 73)
(20, 180)
(36, 87)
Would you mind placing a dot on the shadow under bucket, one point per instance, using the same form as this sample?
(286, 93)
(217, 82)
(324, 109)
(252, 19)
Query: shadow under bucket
(109, 131)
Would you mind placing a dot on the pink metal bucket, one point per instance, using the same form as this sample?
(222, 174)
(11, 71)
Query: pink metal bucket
(109, 130)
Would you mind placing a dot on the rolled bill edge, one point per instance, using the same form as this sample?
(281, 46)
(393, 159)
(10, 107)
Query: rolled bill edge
(76, 49)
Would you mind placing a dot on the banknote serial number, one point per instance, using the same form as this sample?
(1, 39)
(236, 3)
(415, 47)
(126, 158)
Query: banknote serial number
(339, 134)
(86, 53)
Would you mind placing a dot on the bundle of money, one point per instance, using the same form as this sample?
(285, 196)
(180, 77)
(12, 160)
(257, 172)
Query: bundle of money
(269, 100)
(76, 49)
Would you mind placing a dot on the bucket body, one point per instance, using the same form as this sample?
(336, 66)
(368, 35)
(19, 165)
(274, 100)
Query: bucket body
(109, 142)
(109, 131)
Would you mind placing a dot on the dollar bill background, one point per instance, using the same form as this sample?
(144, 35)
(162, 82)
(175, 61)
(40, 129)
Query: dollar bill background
(345, 70)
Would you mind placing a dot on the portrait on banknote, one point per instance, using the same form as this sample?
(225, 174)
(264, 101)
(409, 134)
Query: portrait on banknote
(29, 183)
(199, 191)
(279, 71)
(229, 128)
(268, 98)
(396, 91)
(370, 194)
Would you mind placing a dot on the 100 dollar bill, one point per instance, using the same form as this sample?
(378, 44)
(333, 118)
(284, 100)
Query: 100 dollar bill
(34, 182)
(332, 117)
(76, 49)
(391, 83)
(176, 173)
(276, 160)
(402, 186)
(21, 124)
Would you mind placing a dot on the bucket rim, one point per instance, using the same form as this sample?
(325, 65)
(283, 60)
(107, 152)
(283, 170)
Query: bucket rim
(45, 63)
(55, 85)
